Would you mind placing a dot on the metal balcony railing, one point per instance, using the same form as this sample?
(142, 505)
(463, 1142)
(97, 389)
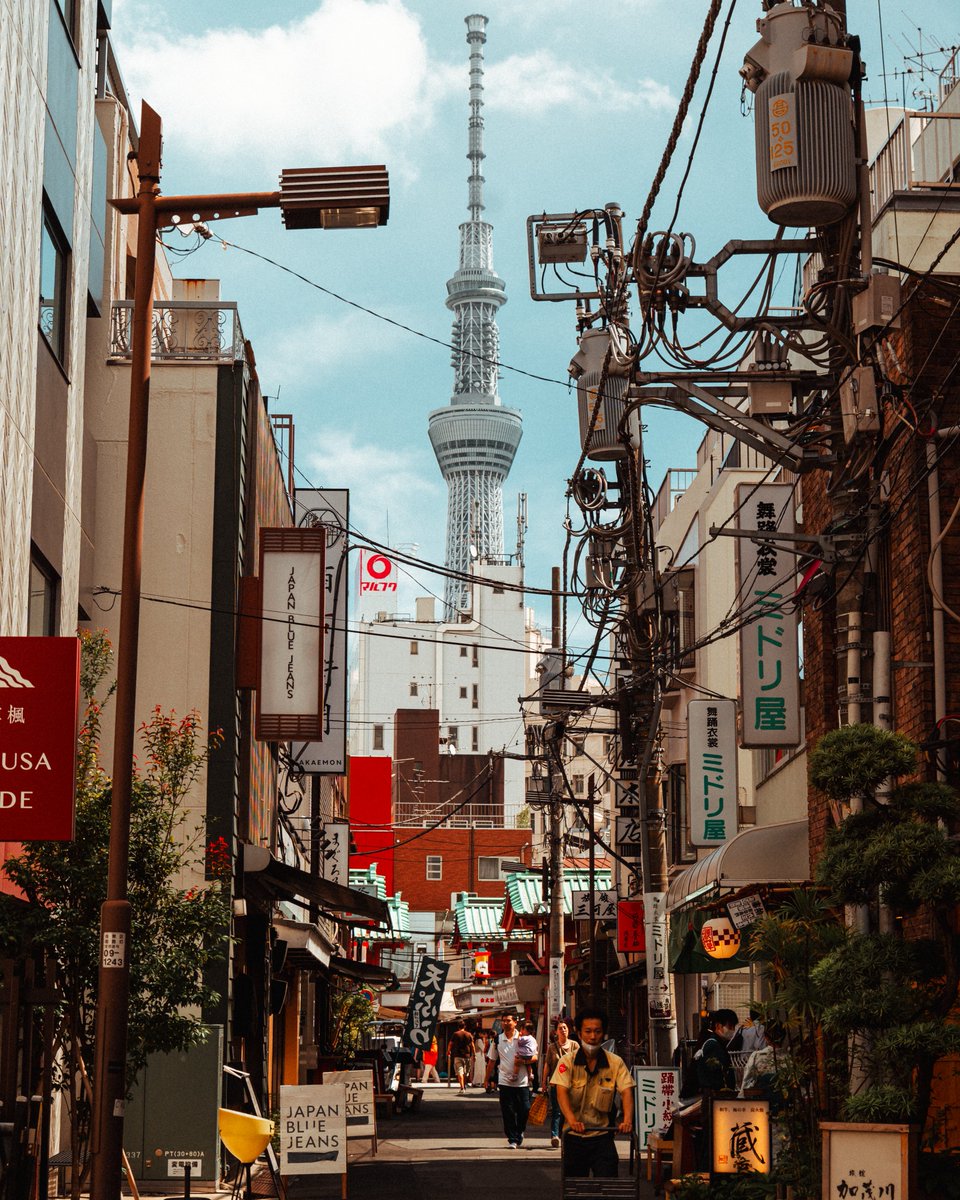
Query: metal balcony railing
(921, 153)
(183, 331)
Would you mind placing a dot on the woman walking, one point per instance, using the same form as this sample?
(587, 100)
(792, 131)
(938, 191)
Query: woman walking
(560, 1044)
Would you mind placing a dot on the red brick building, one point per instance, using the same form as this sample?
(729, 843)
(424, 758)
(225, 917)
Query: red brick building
(444, 861)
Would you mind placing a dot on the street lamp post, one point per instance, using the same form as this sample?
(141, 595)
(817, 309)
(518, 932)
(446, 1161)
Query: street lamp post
(326, 198)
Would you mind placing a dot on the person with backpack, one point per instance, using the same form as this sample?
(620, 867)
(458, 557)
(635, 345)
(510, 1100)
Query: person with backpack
(712, 1063)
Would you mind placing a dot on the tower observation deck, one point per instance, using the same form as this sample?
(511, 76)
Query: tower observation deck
(475, 438)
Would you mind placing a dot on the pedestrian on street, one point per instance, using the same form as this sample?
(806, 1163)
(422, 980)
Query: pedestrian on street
(481, 1044)
(712, 1061)
(561, 1044)
(587, 1083)
(514, 1088)
(461, 1052)
(430, 1063)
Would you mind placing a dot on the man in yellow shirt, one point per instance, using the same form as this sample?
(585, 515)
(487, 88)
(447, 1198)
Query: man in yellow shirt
(587, 1082)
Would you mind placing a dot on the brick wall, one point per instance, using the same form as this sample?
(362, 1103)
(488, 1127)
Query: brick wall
(459, 850)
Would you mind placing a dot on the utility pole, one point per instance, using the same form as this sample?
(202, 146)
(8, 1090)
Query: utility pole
(592, 899)
(553, 741)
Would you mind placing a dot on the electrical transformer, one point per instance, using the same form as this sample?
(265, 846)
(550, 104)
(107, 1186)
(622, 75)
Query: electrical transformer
(799, 72)
(587, 368)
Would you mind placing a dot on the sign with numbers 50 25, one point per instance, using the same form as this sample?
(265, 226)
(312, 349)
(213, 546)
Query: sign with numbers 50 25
(39, 694)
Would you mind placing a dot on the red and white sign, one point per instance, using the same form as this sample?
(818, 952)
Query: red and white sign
(290, 696)
(39, 697)
(377, 572)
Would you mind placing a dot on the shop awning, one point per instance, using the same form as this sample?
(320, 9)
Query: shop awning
(280, 879)
(363, 972)
(307, 948)
(777, 853)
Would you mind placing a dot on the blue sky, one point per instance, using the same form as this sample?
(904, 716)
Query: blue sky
(580, 101)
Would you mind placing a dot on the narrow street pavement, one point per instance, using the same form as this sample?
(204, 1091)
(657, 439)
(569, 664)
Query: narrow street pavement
(453, 1148)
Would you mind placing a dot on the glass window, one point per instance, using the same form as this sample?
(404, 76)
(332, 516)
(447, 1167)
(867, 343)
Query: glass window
(463, 652)
(53, 288)
(463, 693)
(378, 737)
(579, 785)
(413, 689)
(476, 739)
(434, 866)
(42, 607)
(475, 702)
(453, 733)
(476, 656)
(414, 647)
(488, 868)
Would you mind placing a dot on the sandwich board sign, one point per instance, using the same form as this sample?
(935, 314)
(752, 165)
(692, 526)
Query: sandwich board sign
(313, 1129)
(361, 1122)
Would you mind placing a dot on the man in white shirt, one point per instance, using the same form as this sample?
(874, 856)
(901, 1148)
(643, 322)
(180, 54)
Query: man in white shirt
(513, 1085)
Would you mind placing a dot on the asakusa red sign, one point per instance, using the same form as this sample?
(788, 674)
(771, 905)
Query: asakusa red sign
(39, 695)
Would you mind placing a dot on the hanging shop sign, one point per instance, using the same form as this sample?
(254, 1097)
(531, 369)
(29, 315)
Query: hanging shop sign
(630, 933)
(656, 1094)
(741, 1137)
(745, 910)
(604, 905)
(712, 771)
(861, 1161)
(655, 934)
(766, 582)
(329, 509)
(423, 1011)
(290, 695)
(313, 1130)
(335, 851)
(629, 832)
(39, 698)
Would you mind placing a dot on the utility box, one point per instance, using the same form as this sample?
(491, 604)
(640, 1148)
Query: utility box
(171, 1120)
(878, 305)
(859, 404)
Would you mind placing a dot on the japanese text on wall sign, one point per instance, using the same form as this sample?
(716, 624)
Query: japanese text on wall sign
(712, 770)
(769, 667)
(424, 1008)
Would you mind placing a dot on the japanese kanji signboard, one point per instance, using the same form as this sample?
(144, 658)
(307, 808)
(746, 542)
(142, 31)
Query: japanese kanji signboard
(868, 1162)
(712, 771)
(745, 910)
(741, 1137)
(604, 905)
(655, 1100)
(39, 695)
(630, 936)
(423, 1010)
(655, 934)
(334, 851)
(766, 581)
(629, 833)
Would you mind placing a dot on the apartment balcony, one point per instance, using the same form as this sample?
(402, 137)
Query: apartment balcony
(915, 184)
(185, 331)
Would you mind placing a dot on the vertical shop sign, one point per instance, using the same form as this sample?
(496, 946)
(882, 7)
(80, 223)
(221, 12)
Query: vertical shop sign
(423, 1011)
(656, 1098)
(655, 932)
(712, 771)
(334, 852)
(766, 581)
(329, 509)
(630, 933)
(289, 698)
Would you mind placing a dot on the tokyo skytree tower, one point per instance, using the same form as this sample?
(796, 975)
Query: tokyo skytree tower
(474, 438)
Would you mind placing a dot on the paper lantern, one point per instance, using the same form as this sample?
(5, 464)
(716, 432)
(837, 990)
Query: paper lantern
(720, 937)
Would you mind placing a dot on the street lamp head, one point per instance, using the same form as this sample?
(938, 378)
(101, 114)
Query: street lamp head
(334, 197)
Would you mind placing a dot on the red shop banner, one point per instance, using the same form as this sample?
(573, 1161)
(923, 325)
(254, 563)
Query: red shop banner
(630, 933)
(39, 698)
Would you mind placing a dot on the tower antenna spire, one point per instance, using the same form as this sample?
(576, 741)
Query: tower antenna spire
(475, 437)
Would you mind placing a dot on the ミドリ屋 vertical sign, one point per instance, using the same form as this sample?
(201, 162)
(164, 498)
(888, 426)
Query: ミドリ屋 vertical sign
(39, 697)
(423, 1011)
(712, 771)
(290, 695)
(766, 582)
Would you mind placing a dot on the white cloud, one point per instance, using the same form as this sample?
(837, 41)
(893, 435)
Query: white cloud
(307, 350)
(534, 83)
(386, 482)
(335, 86)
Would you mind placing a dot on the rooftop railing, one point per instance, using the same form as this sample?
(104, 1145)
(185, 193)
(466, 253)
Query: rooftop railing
(921, 154)
(183, 331)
